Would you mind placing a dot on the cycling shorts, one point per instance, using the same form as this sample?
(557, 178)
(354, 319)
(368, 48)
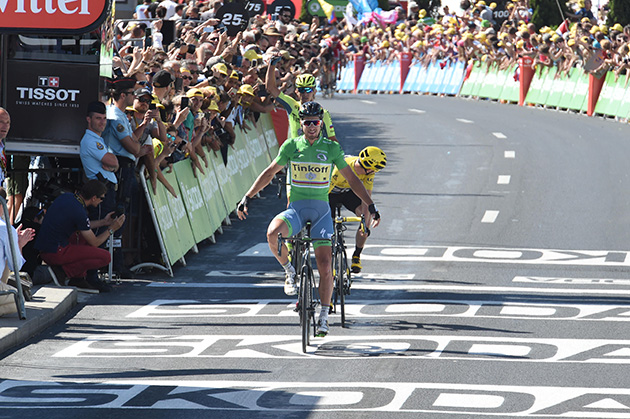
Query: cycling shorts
(347, 199)
(313, 210)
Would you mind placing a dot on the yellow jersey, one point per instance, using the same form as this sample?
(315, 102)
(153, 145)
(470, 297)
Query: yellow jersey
(339, 184)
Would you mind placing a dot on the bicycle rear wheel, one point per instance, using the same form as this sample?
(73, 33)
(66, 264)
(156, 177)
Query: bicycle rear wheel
(342, 264)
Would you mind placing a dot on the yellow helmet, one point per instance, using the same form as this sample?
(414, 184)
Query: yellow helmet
(372, 158)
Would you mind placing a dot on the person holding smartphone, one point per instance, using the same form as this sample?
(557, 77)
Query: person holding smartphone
(147, 124)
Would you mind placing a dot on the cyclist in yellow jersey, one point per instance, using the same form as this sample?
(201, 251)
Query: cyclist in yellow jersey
(369, 161)
(306, 89)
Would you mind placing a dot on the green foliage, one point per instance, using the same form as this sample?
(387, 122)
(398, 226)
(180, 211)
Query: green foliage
(619, 12)
(546, 12)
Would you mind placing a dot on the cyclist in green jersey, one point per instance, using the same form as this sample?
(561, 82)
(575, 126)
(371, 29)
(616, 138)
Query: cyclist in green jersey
(311, 157)
(306, 89)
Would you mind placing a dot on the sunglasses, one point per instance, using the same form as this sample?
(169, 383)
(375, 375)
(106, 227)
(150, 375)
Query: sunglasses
(305, 89)
(143, 99)
(315, 123)
(187, 78)
(170, 136)
(141, 83)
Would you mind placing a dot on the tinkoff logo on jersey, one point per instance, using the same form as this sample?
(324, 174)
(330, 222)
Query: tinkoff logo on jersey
(310, 175)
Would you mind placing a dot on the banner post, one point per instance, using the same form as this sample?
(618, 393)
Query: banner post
(595, 86)
(405, 62)
(525, 77)
(359, 64)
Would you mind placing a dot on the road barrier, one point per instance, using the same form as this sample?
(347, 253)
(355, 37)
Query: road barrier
(575, 90)
(206, 199)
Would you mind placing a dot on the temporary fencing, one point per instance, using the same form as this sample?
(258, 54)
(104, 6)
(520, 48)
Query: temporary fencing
(205, 199)
(574, 90)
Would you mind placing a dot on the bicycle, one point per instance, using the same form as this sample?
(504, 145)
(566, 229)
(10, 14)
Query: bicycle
(342, 280)
(301, 260)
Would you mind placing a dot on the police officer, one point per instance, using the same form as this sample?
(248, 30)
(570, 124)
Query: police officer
(99, 162)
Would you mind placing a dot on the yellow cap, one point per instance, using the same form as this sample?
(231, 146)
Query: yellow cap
(194, 93)
(213, 106)
(246, 89)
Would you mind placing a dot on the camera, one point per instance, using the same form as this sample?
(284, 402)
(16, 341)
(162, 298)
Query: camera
(177, 43)
(185, 102)
(152, 106)
(191, 48)
(120, 210)
(275, 60)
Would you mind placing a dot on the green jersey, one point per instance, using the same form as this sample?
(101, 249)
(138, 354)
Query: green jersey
(310, 166)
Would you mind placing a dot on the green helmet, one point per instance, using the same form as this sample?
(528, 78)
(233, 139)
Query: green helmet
(305, 80)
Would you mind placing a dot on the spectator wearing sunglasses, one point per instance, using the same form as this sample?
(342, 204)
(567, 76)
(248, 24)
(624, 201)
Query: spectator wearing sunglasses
(147, 124)
(306, 90)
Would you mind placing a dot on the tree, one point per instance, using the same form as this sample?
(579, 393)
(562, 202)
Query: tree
(619, 12)
(546, 12)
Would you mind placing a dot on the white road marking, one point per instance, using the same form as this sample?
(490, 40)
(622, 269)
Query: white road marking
(490, 216)
(277, 398)
(411, 287)
(417, 110)
(464, 121)
(369, 102)
(571, 281)
(448, 254)
(499, 135)
(403, 347)
(510, 154)
(504, 179)
(280, 274)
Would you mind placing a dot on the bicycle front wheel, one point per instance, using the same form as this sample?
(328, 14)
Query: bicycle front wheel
(306, 298)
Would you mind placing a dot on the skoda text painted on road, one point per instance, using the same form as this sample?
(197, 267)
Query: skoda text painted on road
(496, 255)
(284, 397)
(169, 309)
(463, 348)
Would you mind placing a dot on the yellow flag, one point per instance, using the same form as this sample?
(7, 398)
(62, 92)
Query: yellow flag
(328, 8)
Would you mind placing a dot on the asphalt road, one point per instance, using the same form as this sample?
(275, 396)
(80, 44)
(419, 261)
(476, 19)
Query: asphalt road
(496, 286)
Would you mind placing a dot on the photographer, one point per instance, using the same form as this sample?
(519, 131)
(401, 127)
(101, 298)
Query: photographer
(66, 238)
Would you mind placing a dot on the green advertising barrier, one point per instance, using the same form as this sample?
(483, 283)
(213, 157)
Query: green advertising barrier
(571, 80)
(557, 88)
(226, 182)
(178, 212)
(580, 95)
(239, 166)
(624, 108)
(209, 186)
(533, 94)
(471, 83)
(617, 99)
(547, 84)
(489, 87)
(168, 227)
(195, 208)
(511, 87)
(480, 74)
(604, 101)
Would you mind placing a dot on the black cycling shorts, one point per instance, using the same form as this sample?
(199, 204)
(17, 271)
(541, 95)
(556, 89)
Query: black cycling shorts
(347, 199)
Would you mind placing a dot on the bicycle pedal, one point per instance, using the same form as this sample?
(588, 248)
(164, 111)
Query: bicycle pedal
(297, 307)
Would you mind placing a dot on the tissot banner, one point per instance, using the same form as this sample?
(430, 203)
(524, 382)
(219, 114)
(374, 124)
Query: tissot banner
(47, 101)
